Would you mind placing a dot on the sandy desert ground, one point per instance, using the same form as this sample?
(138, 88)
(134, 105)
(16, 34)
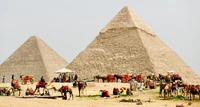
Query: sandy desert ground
(85, 101)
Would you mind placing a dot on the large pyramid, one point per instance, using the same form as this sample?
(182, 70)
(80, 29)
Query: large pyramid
(127, 45)
(35, 58)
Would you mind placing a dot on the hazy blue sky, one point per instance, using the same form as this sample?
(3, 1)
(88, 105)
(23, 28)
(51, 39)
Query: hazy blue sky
(68, 26)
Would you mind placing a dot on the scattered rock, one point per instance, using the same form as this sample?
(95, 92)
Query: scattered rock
(180, 105)
(190, 103)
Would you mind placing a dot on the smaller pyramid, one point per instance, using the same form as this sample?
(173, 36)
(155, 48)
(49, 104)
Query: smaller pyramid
(35, 58)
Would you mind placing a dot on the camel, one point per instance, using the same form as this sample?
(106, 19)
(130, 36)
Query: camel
(81, 87)
(149, 83)
(29, 91)
(64, 90)
(15, 86)
(26, 78)
(4, 91)
(42, 85)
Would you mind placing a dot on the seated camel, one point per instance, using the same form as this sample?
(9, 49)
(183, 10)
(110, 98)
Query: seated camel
(149, 83)
(4, 91)
(29, 91)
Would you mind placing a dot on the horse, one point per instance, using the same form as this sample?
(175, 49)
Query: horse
(81, 87)
(15, 86)
(181, 87)
(153, 77)
(161, 77)
(167, 89)
(98, 77)
(175, 77)
(117, 76)
(192, 90)
(26, 78)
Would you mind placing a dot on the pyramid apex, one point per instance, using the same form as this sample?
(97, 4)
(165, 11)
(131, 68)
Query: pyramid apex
(126, 18)
(34, 36)
(125, 7)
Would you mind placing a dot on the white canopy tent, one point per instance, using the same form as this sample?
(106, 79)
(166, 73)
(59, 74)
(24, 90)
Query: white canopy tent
(171, 72)
(64, 70)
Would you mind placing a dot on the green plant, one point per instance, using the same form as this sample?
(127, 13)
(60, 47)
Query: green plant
(178, 97)
(92, 96)
(158, 84)
(2, 95)
(124, 95)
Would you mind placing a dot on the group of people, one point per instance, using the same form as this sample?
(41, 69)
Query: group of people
(134, 85)
(63, 78)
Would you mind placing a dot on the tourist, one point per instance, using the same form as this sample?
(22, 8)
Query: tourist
(42, 80)
(13, 77)
(4, 79)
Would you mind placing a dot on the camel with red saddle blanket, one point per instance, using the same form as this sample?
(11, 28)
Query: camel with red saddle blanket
(43, 85)
(15, 87)
(64, 90)
(26, 78)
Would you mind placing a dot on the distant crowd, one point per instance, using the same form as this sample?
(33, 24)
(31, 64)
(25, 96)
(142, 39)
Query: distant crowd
(66, 78)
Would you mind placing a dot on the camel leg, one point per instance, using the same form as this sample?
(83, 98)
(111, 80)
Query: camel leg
(160, 92)
(69, 96)
(73, 96)
(193, 96)
(79, 92)
(65, 96)
(35, 90)
(164, 94)
(13, 91)
(19, 92)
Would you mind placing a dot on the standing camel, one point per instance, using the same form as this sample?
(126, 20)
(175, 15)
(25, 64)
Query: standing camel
(64, 90)
(26, 78)
(81, 87)
(15, 86)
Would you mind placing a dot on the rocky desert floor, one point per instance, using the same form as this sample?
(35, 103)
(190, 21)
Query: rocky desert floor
(91, 98)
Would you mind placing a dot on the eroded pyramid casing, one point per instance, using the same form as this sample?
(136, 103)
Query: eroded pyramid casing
(127, 45)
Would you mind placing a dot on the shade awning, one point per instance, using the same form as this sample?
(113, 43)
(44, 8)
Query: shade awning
(63, 70)
(170, 71)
